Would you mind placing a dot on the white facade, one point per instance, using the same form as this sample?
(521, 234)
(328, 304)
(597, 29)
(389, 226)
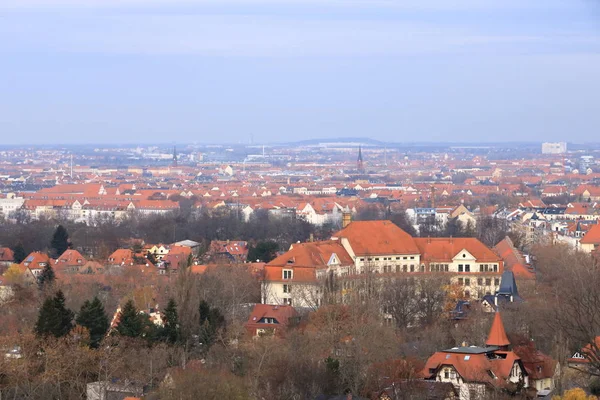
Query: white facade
(554, 148)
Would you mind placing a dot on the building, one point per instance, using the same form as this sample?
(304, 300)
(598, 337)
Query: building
(585, 164)
(379, 249)
(591, 240)
(554, 148)
(476, 371)
(267, 319)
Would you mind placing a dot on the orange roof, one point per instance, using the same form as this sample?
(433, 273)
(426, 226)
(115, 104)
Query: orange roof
(312, 254)
(377, 237)
(475, 367)
(592, 236)
(36, 260)
(281, 314)
(497, 336)
(445, 249)
(71, 257)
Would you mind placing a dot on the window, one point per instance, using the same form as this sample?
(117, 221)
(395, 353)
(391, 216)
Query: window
(405, 258)
(287, 289)
(422, 268)
(488, 281)
(362, 259)
(479, 281)
(376, 258)
(404, 268)
(397, 268)
(460, 281)
(412, 268)
(496, 281)
(446, 374)
(287, 300)
(481, 268)
(412, 257)
(467, 268)
(467, 282)
(446, 268)
(397, 258)
(460, 268)
(287, 274)
(495, 268)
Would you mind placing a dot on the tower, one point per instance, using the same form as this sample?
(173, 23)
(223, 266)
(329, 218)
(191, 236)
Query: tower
(497, 335)
(359, 163)
(174, 156)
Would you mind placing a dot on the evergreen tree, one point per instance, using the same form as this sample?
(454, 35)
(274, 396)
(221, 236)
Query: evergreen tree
(93, 317)
(170, 331)
(47, 276)
(54, 317)
(211, 321)
(19, 253)
(265, 251)
(130, 323)
(60, 241)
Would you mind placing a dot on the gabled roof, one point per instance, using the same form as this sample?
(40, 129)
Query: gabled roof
(445, 249)
(70, 257)
(312, 254)
(497, 335)
(6, 254)
(280, 314)
(592, 236)
(34, 259)
(377, 237)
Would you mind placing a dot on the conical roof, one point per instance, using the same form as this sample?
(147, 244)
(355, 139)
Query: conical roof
(497, 336)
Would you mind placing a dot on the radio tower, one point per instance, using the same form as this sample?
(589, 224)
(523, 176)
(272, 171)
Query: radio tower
(174, 156)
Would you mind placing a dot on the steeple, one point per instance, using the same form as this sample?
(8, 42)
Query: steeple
(359, 163)
(497, 336)
(174, 156)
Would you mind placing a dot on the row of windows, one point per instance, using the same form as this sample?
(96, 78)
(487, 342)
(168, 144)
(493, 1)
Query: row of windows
(387, 258)
(480, 281)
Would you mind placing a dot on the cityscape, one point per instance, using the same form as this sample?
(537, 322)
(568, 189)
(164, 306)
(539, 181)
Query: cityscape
(299, 200)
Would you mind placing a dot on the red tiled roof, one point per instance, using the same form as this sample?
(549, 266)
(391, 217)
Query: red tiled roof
(70, 258)
(444, 249)
(281, 314)
(497, 335)
(6, 254)
(592, 236)
(377, 237)
(312, 254)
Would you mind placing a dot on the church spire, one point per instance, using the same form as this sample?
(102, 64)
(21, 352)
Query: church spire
(174, 156)
(497, 336)
(359, 163)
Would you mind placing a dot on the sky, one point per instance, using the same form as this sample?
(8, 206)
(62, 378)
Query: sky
(232, 71)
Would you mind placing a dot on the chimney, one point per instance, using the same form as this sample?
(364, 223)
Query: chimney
(346, 219)
(311, 238)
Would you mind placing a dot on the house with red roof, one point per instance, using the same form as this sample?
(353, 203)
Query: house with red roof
(227, 251)
(35, 262)
(6, 257)
(383, 249)
(478, 371)
(268, 319)
(591, 240)
(70, 261)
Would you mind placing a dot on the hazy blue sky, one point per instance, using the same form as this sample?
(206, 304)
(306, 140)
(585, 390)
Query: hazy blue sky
(223, 70)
